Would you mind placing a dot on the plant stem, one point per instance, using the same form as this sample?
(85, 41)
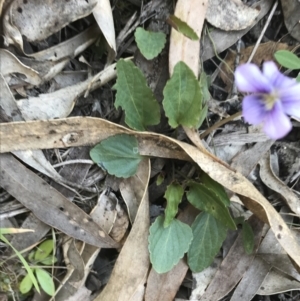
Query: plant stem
(220, 123)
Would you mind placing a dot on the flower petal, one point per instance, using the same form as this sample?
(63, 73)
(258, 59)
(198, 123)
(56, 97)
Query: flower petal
(253, 109)
(249, 78)
(276, 78)
(277, 124)
(290, 99)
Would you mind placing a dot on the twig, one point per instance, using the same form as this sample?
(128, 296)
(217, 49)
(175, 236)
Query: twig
(263, 32)
(82, 161)
(220, 123)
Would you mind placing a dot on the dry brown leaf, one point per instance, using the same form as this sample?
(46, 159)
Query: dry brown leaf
(235, 264)
(47, 202)
(81, 131)
(34, 158)
(132, 190)
(72, 257)
(131, 268)
(11, 64)
(223, 40)
(104, 18)
(112, 219)
(291, 12)
(203, 279)
(49, 69)
(273, 182)
(230, 14)
(69, 48)
(81, 294)
(182, 48)
(245, 161)
(163, 287)
(276, 282)
(60, 103)
(251, 281)
(265, 52)
(26, 240)
(37, 20)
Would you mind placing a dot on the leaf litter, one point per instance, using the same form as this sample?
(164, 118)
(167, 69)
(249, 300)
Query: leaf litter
(65, 125)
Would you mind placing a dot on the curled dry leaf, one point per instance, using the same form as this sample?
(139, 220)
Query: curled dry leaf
(11, 64)
(46, 69)
(291, 11)
(60, 103)
(37, 20)
(132, 189)
(34, 158)
(71, 47)
(110, 217)
(11, 33)
(223, 40)
(104, 18)
(131, 268)
(272, 181)
(230, 14)
(81, 131)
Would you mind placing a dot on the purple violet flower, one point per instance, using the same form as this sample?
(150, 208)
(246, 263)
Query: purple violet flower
(274, 97)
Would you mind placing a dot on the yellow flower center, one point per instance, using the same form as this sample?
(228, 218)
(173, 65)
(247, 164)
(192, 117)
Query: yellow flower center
(270, 100)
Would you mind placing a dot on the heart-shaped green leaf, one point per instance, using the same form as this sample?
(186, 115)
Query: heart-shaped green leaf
(149, 43)
(209, 235)
(118, 154)
(168, 245)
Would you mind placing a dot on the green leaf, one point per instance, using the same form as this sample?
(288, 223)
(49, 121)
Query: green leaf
(182, 27)
(217, 188)
(24, 262)
(51, 260)
(287, 59)
(203, 81)
(160, 178)
(135, 97)
(118, 154)
(209, 235)
(44, 250)
(46, 281)
(149, 43)
(168, 245)
(203, 115)
(248, 238)
(25, 285)
(298, 78)
(182, 97)
(173, 196)
(206, 199)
